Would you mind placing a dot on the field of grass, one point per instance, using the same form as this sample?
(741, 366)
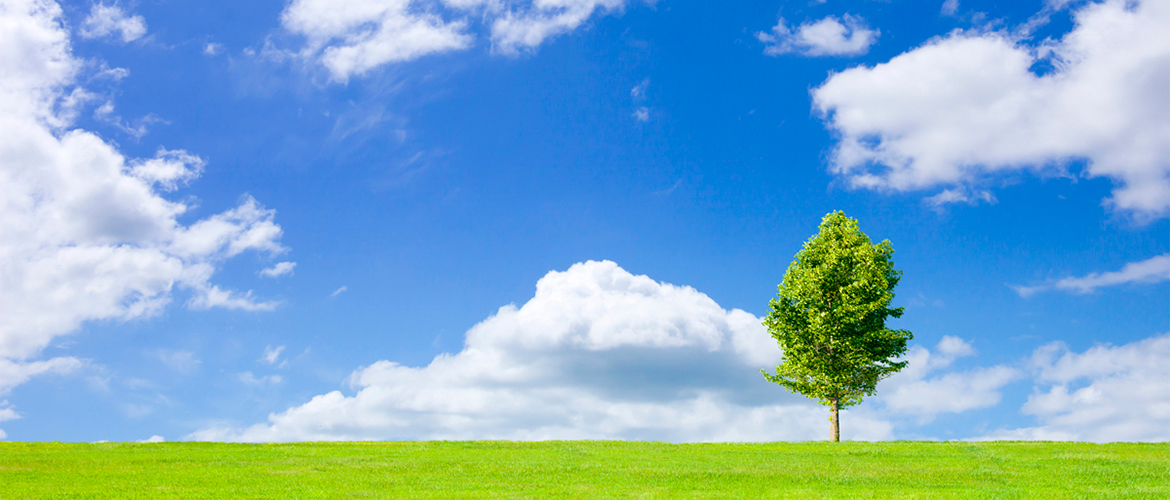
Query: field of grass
(585, 469)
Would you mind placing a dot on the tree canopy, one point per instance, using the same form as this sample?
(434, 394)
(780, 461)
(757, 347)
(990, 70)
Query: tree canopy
(829, 317)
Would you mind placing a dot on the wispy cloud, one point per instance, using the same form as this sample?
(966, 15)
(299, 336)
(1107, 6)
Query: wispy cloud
(271, 354)
(1151, 270)
(249, 378)
(339, 291)
(179, 361)
(280, 269)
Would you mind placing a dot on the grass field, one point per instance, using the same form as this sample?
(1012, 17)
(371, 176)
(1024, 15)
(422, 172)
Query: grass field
(585, 469)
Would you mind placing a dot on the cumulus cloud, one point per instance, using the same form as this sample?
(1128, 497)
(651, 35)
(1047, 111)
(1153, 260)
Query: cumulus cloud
(848, 36)
(1152, 270)
(968, 106)
(352, 38)
(914, 392)
(85, 233)
(596, 353)
(1107, 393)
(280, 269)
(110, 20)
(153, 439)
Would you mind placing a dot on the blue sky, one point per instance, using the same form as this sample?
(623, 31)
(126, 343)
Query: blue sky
(392, 219)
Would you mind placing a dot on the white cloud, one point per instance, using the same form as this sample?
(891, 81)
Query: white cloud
(153, 439)
(967, 106)
(271, 355)
(85, 233)
(911, 392)
(949, 7)
(249, 378)
(1107, 393)
(280, 269)
(950, 196)
(642, 114)
(179, 361)
(596, 353)
(6, 414)
(352, 38)
(212, 48)
(14, 373)
(105, 113)
(168, 170)
(517, 31)
(110, 20)
(339, 291)
(1152, 270)
(639, 90)
(827, 37)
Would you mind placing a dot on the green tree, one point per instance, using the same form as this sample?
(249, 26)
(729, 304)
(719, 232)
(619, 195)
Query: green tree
(829, 318)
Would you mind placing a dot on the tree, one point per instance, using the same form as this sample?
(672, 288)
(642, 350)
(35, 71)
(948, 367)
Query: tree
(829, 318)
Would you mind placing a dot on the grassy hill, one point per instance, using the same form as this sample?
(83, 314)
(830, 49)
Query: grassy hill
(585, 469)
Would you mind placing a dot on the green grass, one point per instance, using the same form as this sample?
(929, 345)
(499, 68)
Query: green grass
(585, 469)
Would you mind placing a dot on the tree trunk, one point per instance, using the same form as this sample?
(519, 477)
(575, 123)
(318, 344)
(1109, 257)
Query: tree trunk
(835, 423)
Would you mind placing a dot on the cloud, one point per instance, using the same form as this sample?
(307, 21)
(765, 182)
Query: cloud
(280, 269)
(967, 107)
(14, 373)
(639, 90)
(949, 7)
(596, 353)
(1152, 270)
(6, 414)
(911, 392)
(212, 49)
(352, 38)
(827, 37)
(249, 378)
(271, 355)
(110, 20)
(951, 196)
(105, 114)
(179, 361)
(1107, 393)
(518, 30)
(86, 233)
(642, 114)
(153, 439)
(339, 291)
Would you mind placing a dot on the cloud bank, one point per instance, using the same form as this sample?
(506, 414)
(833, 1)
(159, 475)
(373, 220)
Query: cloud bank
(596, 353)
(86, 233)
(968, 106)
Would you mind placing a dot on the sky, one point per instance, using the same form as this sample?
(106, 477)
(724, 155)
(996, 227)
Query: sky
(286, 220)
